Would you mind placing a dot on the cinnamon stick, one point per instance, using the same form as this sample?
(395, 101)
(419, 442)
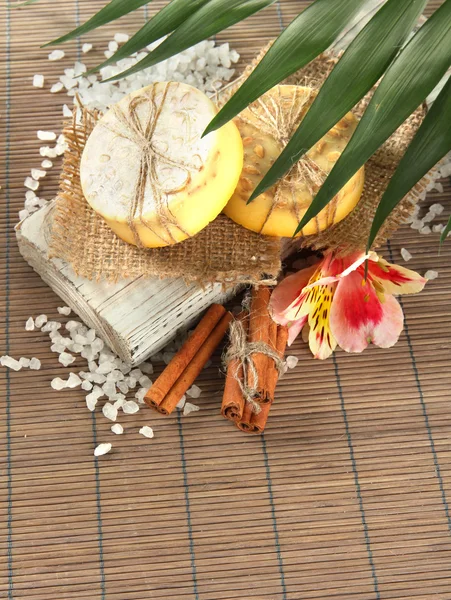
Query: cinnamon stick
(245, 422)
(233, 400)
(184, 356)
(280, 347)
(272, 373)
(259, 332)
(195, 366)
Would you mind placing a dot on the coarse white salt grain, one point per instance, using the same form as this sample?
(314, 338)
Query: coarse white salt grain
(35, 364)
(73, 381)
(438, 228)
(146, 368)
(436, 209)
(136, 373)
(140, 395)
(40, 320)
(181, 403)
(113, 46)
(109, 411)
(10, 363)
(30, 195)
(29, 325)
(123, 387)
(64, 310)
(31, 184)
(146, 431)
(66, 111)
(25, 362)
(46, 136)
(38, 81)
(292, 361)
(66, 359)
(56, 55)
(86, 48)
(72, 325)
(23, 214)
(430, 275)
(58, 384)
(119, 403)
(109, 388)
(121, 38)
(405, 254)
(102, 449)
(194, 391)
(145, 382)
(50, 326)
(57, 87)
(86, 385)
(426, 230)
(38, 173)
(117, 429)
(131, 382)
(130, 407)
(46, 164)
(47, 151)
(189, 408)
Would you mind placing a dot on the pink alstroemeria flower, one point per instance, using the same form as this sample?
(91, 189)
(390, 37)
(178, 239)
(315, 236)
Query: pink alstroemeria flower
(338, 306)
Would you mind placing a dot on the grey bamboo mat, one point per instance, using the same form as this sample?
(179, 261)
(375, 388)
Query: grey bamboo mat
(345, 496)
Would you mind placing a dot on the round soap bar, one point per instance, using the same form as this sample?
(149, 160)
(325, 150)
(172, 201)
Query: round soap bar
(266, 127)
(148, 172)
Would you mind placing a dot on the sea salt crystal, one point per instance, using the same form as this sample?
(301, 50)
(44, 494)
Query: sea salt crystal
(115, 376)
(104, 368)
(25, 362)
(38, 81)
(50, 326)
(123, 387)
(430, 275)
(58, 348)
(426, 230)
(66, 111)
(56, 55)
(189, 408)
(79, 68)
(417, 224)
(31, 184)
(140, 395)
(292, 361)
(40, 320)
(29, 325)
(46, 164)
(35, 364)
(194, 391)
(38, 173)
(66, 359)
(80, 339)
(181, 403)
(146, 368)
(102, 449)
(405, 254)
(113, 46)
(97, 345)
(117, 429)
(130, 407)
(167, 357)
(438, 228)
(47, 151)
(436, 209)
(121, 38)
(145, 382)
(58, 384)
(64, 310)
(109, 411)
(46, 136)
(86, 48)
(86, 385)
(98, 378)
(146, 431)
(23, 214)
(30, 195)
(57, 87)
(136, 373)
(130, 381)
(119, 402)
(72, 325)
(91, 401)
(73, 381)
(10, 362)
(90, 336)
(109, 388)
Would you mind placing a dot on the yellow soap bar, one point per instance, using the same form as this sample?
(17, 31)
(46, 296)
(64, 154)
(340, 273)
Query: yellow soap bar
(266, 127)
(148, 172)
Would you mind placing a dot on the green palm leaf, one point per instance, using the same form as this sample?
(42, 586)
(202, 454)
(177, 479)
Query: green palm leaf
(165, 21)
(379, 42)
(431, 143)
(110, 12)
(309, 34)
(408, 81)
(26, 3)
(445, 232)
(212, 18)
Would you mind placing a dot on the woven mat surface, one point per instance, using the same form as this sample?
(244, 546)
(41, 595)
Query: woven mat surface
(346, 495)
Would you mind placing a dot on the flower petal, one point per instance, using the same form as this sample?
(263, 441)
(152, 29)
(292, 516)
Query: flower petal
(359, 315)
(295, 328)
(345, 267)
(395, 279)
(321, 341)
(287, 292)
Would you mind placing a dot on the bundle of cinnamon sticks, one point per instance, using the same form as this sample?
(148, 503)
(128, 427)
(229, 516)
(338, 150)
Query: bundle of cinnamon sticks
(187, 364)
(259, 373)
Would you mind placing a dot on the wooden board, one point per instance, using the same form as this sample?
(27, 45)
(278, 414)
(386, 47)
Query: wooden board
(345, 497)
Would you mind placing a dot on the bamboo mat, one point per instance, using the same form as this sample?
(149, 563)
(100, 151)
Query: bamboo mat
(344, 497)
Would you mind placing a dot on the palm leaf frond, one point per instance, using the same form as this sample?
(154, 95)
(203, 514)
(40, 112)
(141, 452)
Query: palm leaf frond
(445, 232)
(309, 34)
(379, 42)
(431, 143)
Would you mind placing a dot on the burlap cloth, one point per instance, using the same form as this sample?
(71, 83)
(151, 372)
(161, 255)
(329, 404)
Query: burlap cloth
(223, 251)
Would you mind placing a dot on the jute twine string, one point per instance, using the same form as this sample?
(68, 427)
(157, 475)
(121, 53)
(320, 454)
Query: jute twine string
(142, 136)
(241, 350)
(280, 121)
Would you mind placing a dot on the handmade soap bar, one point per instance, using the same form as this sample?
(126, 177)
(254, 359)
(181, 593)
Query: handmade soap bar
(266, 127)
(146, 170)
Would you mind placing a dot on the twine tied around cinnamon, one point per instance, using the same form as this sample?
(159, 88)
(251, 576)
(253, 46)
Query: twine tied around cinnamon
(241, 350)
(142, 136)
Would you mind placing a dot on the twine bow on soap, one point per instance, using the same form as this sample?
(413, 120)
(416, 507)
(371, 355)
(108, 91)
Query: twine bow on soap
(242, 351)
(142, 136)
